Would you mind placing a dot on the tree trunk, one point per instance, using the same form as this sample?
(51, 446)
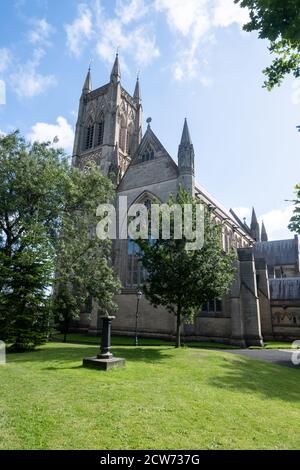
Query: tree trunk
(178, 328)
(66, 330)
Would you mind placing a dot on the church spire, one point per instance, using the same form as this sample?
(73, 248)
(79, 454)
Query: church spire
(264, 235)
(186, 138)
(87, 87)
(186, 160)
(137, 91)
(255, 229)
(115, 75)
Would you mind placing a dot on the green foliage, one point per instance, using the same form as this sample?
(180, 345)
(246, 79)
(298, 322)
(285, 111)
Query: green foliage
(47, 213)
(182, 280)
(279, 22)
(83, 262)
(31, 195)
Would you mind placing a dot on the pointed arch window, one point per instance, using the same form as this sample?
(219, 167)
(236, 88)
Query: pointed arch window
(100, 132)
(122, 138)
(148, 154)
(128, 144)
(89, 137)
(136, 273)
(129, 139)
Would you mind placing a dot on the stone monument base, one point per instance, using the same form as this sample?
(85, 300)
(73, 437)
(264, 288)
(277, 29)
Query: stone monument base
(103, 363)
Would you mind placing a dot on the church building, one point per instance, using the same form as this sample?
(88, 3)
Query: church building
(264, 300)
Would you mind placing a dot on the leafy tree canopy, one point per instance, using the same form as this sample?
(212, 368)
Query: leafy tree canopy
(83, 262)
(47, 222)
(279, 22)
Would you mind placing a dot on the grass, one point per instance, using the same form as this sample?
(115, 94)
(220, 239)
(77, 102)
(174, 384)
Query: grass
(277, 345)
(163, 399)
(128, 341)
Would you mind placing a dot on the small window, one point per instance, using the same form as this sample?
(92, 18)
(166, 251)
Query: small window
(213, 306)
(147, 155)
(278, 272)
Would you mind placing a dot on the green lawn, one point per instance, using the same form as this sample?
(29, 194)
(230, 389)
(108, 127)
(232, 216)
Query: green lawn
(128, 341)
(277, 345)
(163, 399)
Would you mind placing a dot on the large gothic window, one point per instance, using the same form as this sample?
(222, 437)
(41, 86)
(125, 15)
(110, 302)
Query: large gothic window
(89, 137)
(122, 138)
(136, 273)
(129, 139)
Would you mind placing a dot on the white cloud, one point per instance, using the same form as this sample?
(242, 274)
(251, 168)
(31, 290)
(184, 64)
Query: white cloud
(80, 31)
(183, 16)
(5, 59)
(139, 42)
(196, 21)
(131, 10)
(226, 13)
(61, 133)
(27, 81)
(109, 33)
(144, 47)
(41, 32)
(191, 22)
(276, 222)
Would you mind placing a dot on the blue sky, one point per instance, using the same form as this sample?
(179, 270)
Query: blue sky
(194, 61)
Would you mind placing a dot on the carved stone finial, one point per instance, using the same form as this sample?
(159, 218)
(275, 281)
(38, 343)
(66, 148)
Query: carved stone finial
(148, 121)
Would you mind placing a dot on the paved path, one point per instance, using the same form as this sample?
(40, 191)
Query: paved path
(282, 357)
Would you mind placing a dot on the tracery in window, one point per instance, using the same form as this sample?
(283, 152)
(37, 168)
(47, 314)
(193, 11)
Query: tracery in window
(100, 133)
(148, 154)
(88, 138)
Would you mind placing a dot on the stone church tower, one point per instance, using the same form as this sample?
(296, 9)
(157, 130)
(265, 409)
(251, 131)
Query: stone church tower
(109, 125)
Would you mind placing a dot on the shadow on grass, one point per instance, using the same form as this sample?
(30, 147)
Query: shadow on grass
(61, 368)
(244, 375)
(68, 354)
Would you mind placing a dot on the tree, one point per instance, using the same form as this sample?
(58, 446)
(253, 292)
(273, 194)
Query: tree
(83, 262)
(279, 22)
(31, 193)
(47, 236)
(182, 280)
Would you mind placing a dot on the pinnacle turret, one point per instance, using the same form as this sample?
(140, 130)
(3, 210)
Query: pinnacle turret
(264, 235)
(186, 160)
(137, 92)
(255, 229)
(87, 87)
(116, 72)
